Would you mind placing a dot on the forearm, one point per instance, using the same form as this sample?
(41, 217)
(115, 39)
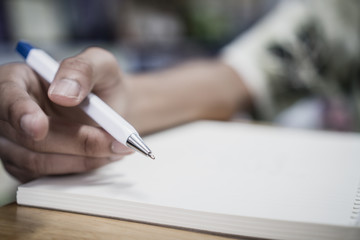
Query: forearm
(192, 91)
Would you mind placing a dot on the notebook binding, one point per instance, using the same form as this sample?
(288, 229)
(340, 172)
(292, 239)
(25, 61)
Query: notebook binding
(355, 212)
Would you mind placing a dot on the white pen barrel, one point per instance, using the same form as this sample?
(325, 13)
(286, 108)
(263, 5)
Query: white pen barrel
(43, 64)
(107, 118)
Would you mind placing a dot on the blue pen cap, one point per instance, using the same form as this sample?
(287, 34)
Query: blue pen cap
(23, 48)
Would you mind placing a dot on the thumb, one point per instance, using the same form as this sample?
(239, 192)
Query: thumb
(72, 82)
(78, 75)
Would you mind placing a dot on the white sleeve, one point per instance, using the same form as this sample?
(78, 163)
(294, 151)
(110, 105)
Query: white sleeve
(247, 54)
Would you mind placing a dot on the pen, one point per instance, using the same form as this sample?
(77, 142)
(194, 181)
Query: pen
(92, 105)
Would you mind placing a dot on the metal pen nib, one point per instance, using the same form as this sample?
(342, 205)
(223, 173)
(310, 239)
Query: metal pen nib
(135, 142)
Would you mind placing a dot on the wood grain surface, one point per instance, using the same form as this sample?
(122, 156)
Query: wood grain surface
(19, 222)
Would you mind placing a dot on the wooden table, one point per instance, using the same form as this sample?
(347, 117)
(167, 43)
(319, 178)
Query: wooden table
(19, 222)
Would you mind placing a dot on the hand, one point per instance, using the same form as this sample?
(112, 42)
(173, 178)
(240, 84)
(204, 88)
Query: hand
(42, 132)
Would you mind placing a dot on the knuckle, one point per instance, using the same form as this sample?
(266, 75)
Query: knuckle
(77, 64)
(91, 142)
(15, 75)
(107, 59)
(27, 142)
(33, 164)
(21, 163)
(110, 57)
(104, 53)
(28, 163)
(16, 81)
(12, 71)
(13, 109)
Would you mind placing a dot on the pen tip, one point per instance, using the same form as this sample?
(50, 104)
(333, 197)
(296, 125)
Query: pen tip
(151, 156)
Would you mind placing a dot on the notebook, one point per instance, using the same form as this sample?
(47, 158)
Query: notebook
(224, 177)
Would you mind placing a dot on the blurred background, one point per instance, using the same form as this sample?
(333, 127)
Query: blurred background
(143, 34)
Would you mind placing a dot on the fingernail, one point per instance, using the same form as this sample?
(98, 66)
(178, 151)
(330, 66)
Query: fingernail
(26, 122)
(65, 87)
(119, 148)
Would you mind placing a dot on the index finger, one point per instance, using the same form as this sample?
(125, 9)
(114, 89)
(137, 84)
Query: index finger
(17, 106)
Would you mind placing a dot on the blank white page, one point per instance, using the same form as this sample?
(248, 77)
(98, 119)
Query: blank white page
(233, 169)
